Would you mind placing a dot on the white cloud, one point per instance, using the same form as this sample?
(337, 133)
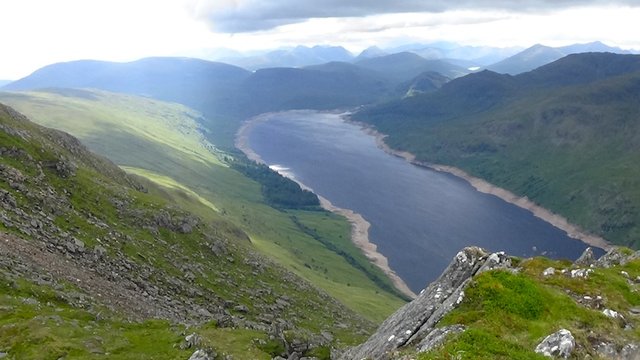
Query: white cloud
(40, 32)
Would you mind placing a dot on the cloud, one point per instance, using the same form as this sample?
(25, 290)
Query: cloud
(235, 16)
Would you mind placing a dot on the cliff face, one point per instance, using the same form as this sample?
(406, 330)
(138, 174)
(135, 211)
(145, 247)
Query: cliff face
(487, 306)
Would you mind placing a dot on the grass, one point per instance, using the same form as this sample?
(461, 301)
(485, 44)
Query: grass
(167, 182)
(36, 324)
(176, 157)
(95, 215)
(507, 314)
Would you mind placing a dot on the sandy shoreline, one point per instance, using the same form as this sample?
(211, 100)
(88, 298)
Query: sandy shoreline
(558, 221)
(359, 226)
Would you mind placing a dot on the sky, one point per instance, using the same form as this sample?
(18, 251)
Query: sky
(35, 33)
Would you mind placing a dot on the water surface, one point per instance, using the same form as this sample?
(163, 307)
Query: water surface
(420, 218)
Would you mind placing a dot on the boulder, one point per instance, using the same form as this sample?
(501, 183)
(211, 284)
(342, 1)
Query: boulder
(558, 344)
(548, 271)
(192, 341)
(202, 355)
(438, 336)
(586, 259)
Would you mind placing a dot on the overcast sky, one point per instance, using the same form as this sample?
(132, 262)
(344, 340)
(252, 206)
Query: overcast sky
(35, 33)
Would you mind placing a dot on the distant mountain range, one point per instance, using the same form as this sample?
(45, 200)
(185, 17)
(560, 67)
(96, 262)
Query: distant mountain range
(539, 55)
(226, 91)
(299, 56)
(564, 135)
(405, 66)
(4, 82)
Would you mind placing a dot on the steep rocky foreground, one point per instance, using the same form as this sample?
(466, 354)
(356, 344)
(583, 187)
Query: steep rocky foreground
(84, 250)
(492, 306)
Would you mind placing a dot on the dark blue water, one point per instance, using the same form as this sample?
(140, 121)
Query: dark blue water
(419, 218)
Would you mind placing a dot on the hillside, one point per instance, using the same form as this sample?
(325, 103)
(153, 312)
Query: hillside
(563, 135)
(92, 265)
(404, 66)
(163, 143)
(225, 94)
(195, 83)
(323, 87)
(493, 306)
(539, 55)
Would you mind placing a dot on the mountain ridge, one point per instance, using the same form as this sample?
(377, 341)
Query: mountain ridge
(539, 55)
(494, 127)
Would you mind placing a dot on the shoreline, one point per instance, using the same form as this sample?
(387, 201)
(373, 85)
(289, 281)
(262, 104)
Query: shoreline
(481, 185)
(359, 225)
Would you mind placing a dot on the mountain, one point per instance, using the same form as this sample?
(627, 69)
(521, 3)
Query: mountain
(4, 82)
(93, 264)
(327, 86)
(596, 46)
(443, 50)
(527, 60)
(225, 94)
(297, 57)
(196, 83)
(562, 135)
(493, 306)
(405, 66)
(370, 52)
(539, 55)
(424, 83)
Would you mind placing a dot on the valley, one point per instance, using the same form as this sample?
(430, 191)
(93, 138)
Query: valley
(194, 164)
(415, 213)
(372, 173)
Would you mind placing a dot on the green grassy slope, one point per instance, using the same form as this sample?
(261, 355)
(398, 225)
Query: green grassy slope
(138, 263)
(507, 314)
(150, 149)
(564, 135)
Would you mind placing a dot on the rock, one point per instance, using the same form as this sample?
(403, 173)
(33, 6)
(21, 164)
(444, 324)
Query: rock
(8, 199)
(586, 259)
(241, 309)
(64, 168)
(417, 319)
(606, 350)
(613, 257)
(3, 355)
(438, 336)
(630, 352)
(611, 314)
(327, 337)
(548, 271)
(202, 355)
(99, 251)
(580, 273)
(192, 341)
(558, 344)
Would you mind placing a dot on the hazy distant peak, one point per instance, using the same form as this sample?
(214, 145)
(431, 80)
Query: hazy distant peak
(371, 52)
(539, 55)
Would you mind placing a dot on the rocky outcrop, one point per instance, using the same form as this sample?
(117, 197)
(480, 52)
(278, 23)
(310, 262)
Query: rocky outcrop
(416, 321)
(558, 344)
(438, 336)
